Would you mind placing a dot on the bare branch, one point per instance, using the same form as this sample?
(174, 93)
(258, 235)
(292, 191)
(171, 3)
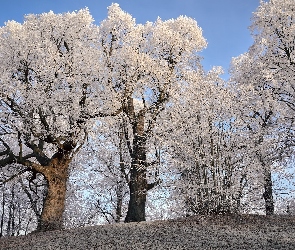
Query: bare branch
(14, 176)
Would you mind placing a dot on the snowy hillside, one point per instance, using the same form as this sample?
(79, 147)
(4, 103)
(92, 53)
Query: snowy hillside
(221, 232)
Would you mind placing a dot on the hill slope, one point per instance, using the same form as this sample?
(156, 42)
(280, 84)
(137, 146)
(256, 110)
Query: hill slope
(211, 232)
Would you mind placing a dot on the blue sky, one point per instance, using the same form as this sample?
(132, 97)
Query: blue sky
(224, 22)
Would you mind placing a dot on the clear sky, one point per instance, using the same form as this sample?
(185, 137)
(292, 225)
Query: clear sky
(224, 22)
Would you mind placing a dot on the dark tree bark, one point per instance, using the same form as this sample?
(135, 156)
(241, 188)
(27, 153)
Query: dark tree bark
(268, 193)
(2, 214)
(138, 185)
(138, 181)
(268, 189)
(138, 192)
(119, 202)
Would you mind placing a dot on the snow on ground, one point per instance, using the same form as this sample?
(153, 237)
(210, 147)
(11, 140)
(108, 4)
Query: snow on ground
(198, 232)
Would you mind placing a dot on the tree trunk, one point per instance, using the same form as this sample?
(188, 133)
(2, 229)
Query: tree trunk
(138, 192)
(138, 181)
(2, 214)
(119, 193)
(56, 175)
(268, 195)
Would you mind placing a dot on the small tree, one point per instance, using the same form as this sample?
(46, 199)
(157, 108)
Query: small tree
(206, 145)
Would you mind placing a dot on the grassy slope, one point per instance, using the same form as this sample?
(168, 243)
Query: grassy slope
(220, 232)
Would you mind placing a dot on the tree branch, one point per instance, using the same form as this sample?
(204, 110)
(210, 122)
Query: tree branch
(152, 185)
(14, 176)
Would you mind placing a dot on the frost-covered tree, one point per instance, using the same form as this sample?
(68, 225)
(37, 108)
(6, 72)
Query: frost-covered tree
(264, 80)
(272, 57)
(21, 204)
(262, 120)
(102, 187)
(273, 30)
(205, 145)
(146, 67)
(51, 87)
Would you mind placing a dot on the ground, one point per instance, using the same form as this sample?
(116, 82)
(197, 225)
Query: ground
(197, 232)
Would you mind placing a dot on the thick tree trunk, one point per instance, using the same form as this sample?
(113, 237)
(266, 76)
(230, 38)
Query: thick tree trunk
(56, 175)
(268, 195)
(138, 182)
(138, 192)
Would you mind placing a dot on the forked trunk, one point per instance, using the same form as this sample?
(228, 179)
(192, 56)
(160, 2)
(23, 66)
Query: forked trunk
(56, 175)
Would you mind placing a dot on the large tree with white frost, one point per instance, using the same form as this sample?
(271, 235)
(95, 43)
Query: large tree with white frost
(264, 79)
(50, 88)
(147, 64)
